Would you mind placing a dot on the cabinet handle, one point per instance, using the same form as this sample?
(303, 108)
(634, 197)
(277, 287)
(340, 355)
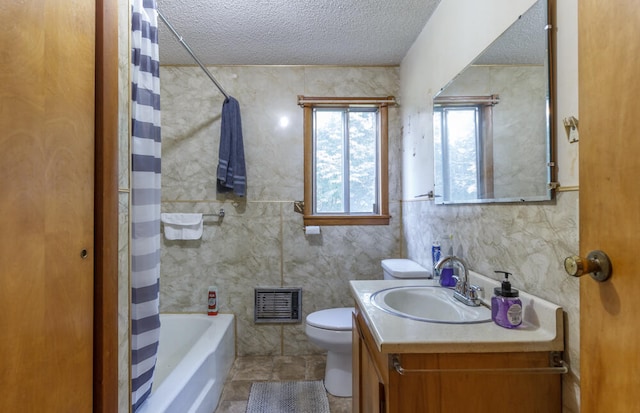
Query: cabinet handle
(561, 368)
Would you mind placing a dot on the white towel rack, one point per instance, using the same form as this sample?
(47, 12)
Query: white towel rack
(220, 214)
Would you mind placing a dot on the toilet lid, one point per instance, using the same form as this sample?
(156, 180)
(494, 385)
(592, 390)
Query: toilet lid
(331, 319)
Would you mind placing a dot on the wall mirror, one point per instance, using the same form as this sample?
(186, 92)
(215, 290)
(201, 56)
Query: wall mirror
(492, 122)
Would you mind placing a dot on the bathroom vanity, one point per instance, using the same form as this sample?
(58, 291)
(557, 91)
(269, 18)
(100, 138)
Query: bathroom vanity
(404, 365)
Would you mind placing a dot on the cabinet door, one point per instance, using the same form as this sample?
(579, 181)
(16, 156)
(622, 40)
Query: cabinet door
(368, 387)
(372, 387)
(47, 77)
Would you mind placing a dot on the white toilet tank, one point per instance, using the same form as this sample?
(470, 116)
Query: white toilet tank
(402, 268)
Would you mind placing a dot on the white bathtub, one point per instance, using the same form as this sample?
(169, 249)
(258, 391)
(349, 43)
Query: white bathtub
(194, 358)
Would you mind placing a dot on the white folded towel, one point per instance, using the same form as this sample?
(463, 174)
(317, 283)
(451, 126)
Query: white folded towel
(182, 226)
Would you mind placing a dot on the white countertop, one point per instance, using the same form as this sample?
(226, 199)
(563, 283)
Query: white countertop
(541, 329)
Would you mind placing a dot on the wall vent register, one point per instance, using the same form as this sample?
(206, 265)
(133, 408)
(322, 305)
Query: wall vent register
(278, 305)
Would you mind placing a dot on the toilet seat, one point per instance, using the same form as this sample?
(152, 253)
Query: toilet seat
(337, 319)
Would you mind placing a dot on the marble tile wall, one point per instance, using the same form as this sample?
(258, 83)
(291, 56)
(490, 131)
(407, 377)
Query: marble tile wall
(260, 242)
(123, 206)
(123, 303)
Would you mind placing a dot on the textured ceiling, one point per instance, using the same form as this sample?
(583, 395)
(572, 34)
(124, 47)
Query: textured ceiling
(523, 43)
(292, 32)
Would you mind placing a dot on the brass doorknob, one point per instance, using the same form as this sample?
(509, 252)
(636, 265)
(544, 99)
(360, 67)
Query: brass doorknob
(597, 264)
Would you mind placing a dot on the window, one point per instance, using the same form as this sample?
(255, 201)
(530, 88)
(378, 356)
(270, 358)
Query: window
(346, 161)
(463, 144)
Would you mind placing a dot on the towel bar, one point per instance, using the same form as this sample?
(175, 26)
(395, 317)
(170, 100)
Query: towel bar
(558, 367)
(220, 214)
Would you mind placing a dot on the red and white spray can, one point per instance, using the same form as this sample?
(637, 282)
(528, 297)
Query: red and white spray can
(213, 301)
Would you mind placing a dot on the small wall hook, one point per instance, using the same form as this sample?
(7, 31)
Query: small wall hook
(571, 128)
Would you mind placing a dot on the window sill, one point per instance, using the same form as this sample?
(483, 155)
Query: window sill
(322, 220)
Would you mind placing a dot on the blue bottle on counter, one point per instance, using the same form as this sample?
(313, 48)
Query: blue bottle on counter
(506, 307)
(446, 275)
(435, 257)
(447, 271)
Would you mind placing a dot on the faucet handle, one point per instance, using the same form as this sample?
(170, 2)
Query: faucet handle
(474, 291)
(459, 285)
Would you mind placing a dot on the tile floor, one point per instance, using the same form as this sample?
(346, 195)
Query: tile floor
(246, 370)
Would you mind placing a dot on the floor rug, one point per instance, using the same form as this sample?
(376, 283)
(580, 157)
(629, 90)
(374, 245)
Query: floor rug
(288, 397)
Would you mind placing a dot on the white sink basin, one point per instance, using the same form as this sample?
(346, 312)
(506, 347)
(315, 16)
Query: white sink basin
(428, 303)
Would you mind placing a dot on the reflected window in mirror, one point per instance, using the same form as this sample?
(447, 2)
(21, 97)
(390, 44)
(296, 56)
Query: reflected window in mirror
(463, 140)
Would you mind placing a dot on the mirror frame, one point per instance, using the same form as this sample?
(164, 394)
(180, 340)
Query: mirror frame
(549, 127)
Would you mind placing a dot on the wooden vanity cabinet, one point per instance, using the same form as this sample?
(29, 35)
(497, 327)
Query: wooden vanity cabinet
(379, 388)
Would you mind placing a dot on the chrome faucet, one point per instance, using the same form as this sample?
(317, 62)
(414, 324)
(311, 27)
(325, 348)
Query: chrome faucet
(464, 292)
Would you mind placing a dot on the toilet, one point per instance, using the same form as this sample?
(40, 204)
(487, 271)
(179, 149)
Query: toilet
(330, 329)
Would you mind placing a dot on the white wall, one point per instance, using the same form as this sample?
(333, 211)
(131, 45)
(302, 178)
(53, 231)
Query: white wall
(566, 56)
(529, 240)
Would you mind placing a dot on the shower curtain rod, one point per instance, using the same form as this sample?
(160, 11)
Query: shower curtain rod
(186, 46)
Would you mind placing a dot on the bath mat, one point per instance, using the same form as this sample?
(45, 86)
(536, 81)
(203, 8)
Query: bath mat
(288, 397)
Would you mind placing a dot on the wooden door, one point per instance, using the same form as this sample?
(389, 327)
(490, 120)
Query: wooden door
(47, 105)
(609, 89)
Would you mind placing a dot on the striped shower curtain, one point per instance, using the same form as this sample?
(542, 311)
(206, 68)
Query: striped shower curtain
(145, 197)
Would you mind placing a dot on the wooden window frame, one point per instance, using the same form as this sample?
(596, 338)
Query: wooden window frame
(382, 217)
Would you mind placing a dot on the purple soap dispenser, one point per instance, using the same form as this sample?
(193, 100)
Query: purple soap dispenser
(506, 307)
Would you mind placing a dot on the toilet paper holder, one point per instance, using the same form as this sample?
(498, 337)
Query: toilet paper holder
(311, 230)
